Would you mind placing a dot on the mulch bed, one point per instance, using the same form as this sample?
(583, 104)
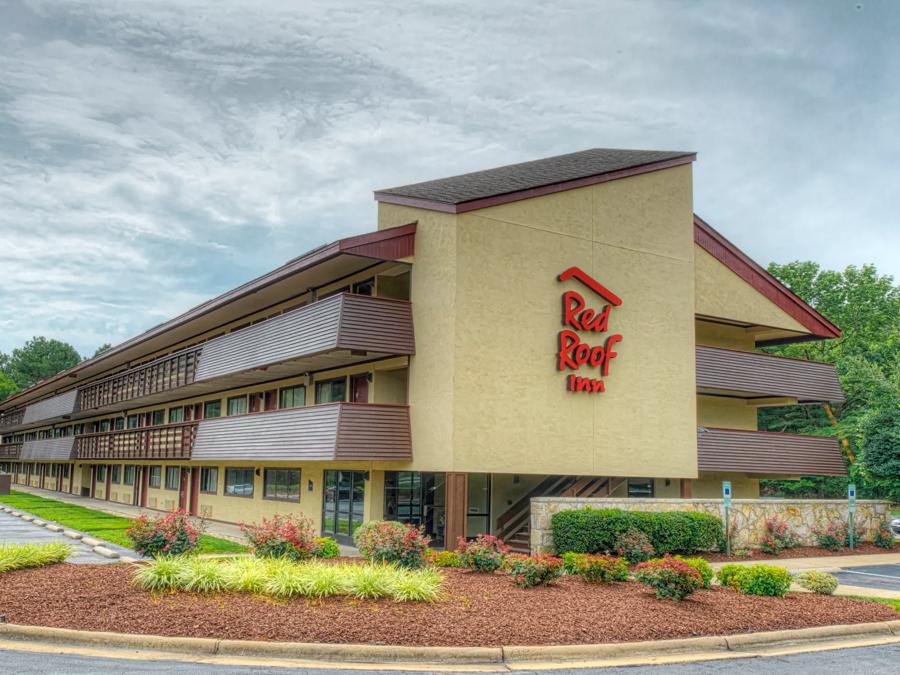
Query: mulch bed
(799, 552)
(480, 610)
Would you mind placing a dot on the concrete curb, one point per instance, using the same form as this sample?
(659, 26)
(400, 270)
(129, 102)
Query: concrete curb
(702, 647)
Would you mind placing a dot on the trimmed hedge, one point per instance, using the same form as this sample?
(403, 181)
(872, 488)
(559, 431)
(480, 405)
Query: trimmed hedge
(595, 530)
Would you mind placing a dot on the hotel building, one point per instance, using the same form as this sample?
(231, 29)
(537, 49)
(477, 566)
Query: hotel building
(566, 326)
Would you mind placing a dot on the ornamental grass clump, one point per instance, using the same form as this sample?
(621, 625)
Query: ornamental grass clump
(21, 556)
(671, 578)
(600, 568)
(160, 575)
(282, 536)
(765, 580)
(529, 571)
(388, 541)
(778, 537)
(175, 533)
(201, 575)
(484, 554)
(817, 582)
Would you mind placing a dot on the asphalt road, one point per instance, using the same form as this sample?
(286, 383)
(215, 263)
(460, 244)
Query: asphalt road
(872, 576)
(858, 661)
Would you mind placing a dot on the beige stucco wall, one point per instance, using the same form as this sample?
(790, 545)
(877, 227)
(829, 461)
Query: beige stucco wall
(485, 394)
(747, 516)
(727, 413)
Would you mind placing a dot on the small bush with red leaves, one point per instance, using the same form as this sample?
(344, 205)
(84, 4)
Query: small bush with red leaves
(282, 536)
(175, 533)
(883, 537)
(388, 541)
(484, 554)
(778, 537)
(529, 571)
(601, 568)
(634, 546)
(671, 578)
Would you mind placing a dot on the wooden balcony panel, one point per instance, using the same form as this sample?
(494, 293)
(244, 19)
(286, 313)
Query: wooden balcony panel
(13, 418)
(48, 450)
(10, 450)
(768, 453)
(330, 431)
(752, 374)
(172, 441)
(55, 406)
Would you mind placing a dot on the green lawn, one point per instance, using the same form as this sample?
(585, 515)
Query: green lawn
(101, 525)
(890, 602)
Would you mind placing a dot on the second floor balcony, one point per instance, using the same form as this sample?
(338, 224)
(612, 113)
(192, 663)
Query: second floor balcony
(10, 450)
(768, 453)
(171, 441)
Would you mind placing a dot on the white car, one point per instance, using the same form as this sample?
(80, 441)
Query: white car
(895, 527)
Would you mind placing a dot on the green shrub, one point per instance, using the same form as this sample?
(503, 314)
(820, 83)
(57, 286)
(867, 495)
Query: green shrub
(703, 568)
(634, 546)
(760, 579)
(571, 561)
(20, 556)
(485, 554)
(326, 547)
(727, 573)
(833, 537)
(600, 568)
(445, 559)
(671, 578)
(883, 536)
(817, 582)
(778, 537)
(595, 530)
(175, 533)
(389, 541)
(529, 571)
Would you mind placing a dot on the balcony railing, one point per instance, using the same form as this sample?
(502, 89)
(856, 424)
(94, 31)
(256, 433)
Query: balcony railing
(10, 450)
(754, 375)
(768, 453)
(157, 376)
(13, 418)
(172, 441)
(329, 431)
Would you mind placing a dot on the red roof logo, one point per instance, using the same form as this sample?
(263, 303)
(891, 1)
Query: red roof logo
(593, 284)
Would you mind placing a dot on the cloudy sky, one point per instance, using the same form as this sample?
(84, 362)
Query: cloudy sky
(153, 154)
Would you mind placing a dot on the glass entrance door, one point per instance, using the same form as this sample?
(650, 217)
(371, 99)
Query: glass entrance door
(343, 504)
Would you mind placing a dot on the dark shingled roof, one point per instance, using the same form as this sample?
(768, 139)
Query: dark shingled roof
(540, 173)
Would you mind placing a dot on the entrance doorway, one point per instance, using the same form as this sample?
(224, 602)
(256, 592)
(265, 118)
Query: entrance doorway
(419, 499)
(343, 504)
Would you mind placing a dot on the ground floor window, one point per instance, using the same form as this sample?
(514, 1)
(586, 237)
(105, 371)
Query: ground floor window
(344, 497)
(282, 484)
(173, 477)
(417, 498)
(239, 482)
(101, 473)
(155, 477)
(129, 474)
(209, 479)
(65, 470)
(640, 487)
(116, 473)
(478, 505)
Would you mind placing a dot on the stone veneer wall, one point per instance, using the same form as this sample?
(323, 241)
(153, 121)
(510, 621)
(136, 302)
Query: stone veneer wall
(748, 516)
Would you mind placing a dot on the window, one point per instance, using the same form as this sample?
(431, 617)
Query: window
(237, 405)
(119, 423)
(209, 477)
(173, 477)
(101, 473)
(330, 391)
(239, 482)
(129, 474)
(176, 415)
(292, 397)
(212, 409)
(132, 422)
(65, 471)
(154, 480)
(366, 287)
(282, 484)
(116, 473)
(640, 487)
(159, 417)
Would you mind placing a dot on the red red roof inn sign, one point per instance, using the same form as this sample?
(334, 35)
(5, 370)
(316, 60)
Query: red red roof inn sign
(576, 353)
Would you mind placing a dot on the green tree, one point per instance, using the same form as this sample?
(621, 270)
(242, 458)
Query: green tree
(39, 359)
(866, 307)
(879, 460)
(105, 347)
(7, 387)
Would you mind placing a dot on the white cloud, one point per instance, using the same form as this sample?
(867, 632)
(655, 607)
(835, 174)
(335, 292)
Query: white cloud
(155, 153)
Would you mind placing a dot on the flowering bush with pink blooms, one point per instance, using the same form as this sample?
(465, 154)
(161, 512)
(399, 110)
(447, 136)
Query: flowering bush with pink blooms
(282, 536)
(778, 537)
(389, 541)
(529, 571)
(175, 533)
(485, 554)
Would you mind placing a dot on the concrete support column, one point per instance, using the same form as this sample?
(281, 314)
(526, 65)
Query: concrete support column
(457, 502)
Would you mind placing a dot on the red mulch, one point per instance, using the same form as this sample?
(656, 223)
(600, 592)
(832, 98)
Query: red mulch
(485, 610)
(799, 552)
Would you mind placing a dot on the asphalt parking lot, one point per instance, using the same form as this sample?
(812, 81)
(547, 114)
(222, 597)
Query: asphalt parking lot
(886, 577)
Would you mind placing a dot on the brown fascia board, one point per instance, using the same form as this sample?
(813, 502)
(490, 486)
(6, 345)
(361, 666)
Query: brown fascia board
(388, 244)
(519, 195)
(711, 241)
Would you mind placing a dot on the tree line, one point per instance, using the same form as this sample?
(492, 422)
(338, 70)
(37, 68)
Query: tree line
(38, 359)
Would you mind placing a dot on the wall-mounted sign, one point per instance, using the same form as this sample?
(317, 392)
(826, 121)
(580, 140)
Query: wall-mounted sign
(578, 317)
